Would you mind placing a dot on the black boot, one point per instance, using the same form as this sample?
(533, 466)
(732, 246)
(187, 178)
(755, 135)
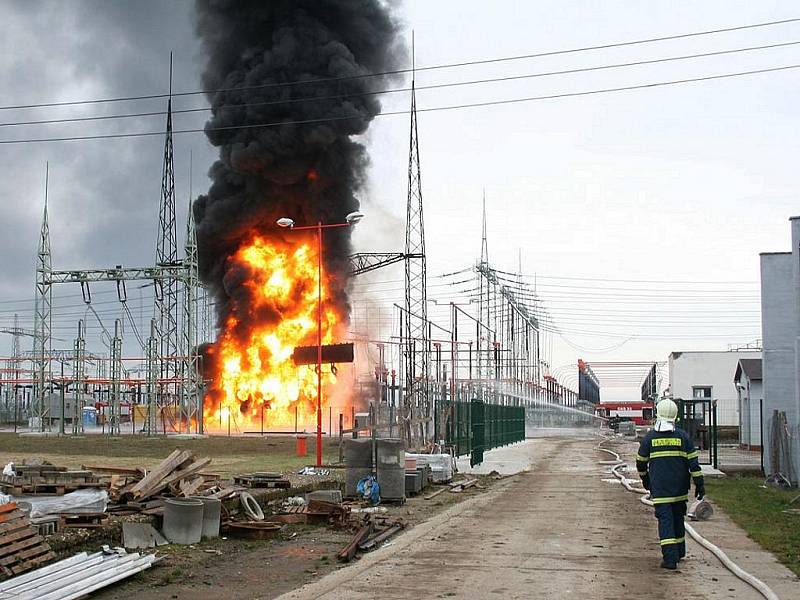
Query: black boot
(670, 566)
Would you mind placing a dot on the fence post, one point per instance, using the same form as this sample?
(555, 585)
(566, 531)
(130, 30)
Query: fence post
(714, 454)
(761, 433)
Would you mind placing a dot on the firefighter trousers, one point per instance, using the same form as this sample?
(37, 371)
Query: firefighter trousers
(671, 530)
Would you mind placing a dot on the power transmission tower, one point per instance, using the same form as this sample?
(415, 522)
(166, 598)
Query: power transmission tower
(417, 363)
(80, 377)
(190, 392)
(42, 323)
(15, 366)
(116, 379)
(483, 295)
(166, 290)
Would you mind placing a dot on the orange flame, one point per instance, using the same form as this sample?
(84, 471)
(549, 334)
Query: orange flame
(256, 380)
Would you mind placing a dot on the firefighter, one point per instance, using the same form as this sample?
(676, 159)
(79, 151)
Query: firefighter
(666, 462)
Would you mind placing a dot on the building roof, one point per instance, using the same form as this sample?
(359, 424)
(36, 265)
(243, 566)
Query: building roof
(678, 354)
(750, 367)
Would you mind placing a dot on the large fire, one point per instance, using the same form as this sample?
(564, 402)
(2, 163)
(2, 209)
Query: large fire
(256, 383)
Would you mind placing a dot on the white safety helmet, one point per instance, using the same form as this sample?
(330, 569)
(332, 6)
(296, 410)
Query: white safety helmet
(666, 410)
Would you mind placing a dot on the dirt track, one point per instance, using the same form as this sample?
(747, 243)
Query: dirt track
(557, 531)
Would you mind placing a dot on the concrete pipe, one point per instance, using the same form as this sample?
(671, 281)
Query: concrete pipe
(183, 520)
(212, 509)
(251, 506)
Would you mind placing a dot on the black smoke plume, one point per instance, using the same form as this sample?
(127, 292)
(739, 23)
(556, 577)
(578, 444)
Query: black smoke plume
(292, 94)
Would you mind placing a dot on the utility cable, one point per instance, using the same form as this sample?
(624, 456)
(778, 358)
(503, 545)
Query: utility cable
(488, 103)
(413, 69)
(435, 86)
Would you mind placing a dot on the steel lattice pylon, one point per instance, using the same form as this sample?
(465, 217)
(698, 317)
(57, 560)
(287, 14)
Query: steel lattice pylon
(80, 376)
(417, 364)
(191, 394)
(166, 291)
(42, 318)
(116, 376)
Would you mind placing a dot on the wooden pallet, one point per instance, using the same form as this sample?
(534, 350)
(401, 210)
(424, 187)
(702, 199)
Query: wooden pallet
(262, 482)
(83, 520)
(21, 546)
(47, 479)
(44, 489)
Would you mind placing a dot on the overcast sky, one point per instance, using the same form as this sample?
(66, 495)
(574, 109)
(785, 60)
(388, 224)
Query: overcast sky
(654, 188)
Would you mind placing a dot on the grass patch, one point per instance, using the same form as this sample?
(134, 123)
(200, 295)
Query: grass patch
(759, 511)
(230, 454)
(171, 576)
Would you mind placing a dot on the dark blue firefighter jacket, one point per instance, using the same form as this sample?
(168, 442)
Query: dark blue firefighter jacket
(669, 458)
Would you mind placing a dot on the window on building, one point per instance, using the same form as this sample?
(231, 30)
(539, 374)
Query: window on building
(701, 393)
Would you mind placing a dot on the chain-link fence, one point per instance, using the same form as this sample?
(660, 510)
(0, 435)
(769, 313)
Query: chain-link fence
(739, 435)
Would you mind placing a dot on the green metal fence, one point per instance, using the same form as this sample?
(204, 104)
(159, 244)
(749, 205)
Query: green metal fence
(475, 427)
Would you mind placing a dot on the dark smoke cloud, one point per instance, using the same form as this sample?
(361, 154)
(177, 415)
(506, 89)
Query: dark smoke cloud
(310, 172)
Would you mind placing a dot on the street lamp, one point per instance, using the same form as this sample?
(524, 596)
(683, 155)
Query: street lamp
(350, 220)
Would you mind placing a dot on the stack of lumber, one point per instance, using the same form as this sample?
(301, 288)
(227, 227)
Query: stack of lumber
(177, 475)
(45, 478)
(21, 546)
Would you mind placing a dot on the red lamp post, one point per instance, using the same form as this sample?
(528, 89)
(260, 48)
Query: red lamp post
(350, 220)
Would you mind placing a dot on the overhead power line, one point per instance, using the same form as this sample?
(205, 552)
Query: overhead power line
(288, 101)
(419, 110)
(576, 278)
(410, 69)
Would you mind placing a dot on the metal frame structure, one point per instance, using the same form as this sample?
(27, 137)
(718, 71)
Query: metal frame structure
(416, 411)
(191, 401)
(42, 323)
(166, 290)
(173, 368)
(364, 262)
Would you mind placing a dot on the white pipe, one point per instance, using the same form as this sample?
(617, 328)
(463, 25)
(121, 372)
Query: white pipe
(761, 587)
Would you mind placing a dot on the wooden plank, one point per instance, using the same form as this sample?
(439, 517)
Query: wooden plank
(381, 537)
(114, 470)
(176, 476)
(13, 537)
(12, 516)
(34, 562)
(224, 493)
(13, 526)
(347, 553)
(164, 468)
(190, 487)
(464, 485)
(26, 554)
(9, 554)
(436, 493)
(7, 507)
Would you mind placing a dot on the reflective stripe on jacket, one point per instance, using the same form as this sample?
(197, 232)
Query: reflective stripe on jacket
(670, 460)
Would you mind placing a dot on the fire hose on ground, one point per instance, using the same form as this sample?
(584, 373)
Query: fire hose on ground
(761, 587)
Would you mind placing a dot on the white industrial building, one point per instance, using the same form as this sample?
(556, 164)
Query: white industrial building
(750, 390)
(780, 326)
(709, 375)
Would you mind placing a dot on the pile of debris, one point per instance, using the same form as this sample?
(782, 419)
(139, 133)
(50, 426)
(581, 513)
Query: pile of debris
(179, 475)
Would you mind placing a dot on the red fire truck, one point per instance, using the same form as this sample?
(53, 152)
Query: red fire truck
(640, 413)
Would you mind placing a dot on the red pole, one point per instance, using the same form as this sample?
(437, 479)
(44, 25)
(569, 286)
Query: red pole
(319, 344)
